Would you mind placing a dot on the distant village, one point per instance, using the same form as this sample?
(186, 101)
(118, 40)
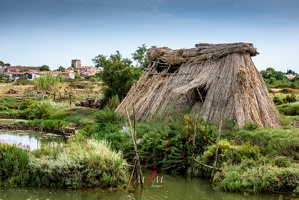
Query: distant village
(32, 72)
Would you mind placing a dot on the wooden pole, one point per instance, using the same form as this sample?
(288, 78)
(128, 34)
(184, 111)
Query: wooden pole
(135, 147)
(193, 146)
(217, 144)
(70, 96)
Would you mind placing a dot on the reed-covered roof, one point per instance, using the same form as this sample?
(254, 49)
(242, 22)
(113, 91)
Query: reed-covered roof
(212, 80)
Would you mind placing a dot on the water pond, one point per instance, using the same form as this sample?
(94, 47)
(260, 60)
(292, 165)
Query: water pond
(28, 139)
(175, 188)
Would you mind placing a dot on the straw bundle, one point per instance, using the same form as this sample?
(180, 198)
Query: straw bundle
(210, 78)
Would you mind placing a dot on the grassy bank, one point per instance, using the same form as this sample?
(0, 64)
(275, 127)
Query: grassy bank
(78, 164)
(258, 161)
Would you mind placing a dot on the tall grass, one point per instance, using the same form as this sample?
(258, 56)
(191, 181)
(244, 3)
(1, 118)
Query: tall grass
(83, 164)
(13, 165)
(260, 177)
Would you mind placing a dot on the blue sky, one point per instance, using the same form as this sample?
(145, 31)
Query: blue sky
(52, 32)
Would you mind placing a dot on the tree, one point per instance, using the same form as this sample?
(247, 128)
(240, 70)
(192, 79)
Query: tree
(118, 74)
(4, 77)
(61, 69)
(45, 68)
(289, 71)
(140, 57)
(270, 70)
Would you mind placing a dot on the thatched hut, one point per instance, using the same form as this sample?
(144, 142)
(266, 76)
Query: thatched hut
(216, 81)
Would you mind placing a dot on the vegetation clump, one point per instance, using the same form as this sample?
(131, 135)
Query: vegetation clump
(78, 164)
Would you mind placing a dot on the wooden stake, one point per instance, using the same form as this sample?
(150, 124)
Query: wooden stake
(135, 147)
(217, 144)
(193, 146)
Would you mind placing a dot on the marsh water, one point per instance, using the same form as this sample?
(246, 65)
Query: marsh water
(175, 187)
(30, 140)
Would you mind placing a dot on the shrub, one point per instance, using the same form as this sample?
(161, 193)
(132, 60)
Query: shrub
(13, 165)
(231, 154)
(44, 110)
(108, 120)
(250, 126)
(289, 109)
(282, 161)
(290, 98)
(83, 164)
(113, 102)
(258, 178)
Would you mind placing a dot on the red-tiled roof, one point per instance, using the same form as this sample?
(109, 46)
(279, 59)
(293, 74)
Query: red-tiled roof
(290, 76)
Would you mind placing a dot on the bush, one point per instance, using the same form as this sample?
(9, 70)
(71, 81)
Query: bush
(290, 98)
(258, 178)
(170, 145)
(109, 118)
(80, 164)
(282, 161)
(251, 126)
(13, 166)
(113, 102)
(44, 110)
(289, 109)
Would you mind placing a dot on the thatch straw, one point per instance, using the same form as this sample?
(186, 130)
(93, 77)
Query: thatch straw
(223, 73)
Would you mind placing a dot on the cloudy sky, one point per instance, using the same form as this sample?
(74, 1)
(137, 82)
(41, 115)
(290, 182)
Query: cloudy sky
(52, 32)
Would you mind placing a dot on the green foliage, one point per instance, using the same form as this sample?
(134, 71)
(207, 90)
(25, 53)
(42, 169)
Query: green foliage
(45, 68)
(9, 103)
(79, 164)
(282, 161)
(230, 154)
(108, 117)
(260, 178)
(140, 57)
(52, 126)
(44, 110)
(118, 74)
(290, 98)
(251, 126)
(296, 192)
(107, 127)
(4, 77)
(271, 142)
(46, 82)
(113, 102)
(289, 109)
(277, 79)
(169, 145)
(78, 77)
(23, 82)
(61, 69)
(13, 166)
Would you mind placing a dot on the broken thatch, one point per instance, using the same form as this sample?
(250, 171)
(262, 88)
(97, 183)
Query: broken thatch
(208, 80)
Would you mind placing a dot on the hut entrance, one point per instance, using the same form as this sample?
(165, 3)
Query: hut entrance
(162, 67)
(200, 94)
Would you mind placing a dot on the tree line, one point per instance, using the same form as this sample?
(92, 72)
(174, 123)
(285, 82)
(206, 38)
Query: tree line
(278, 79)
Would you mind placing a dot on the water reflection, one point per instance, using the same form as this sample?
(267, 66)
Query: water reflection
(176, 188)
(28, 139)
